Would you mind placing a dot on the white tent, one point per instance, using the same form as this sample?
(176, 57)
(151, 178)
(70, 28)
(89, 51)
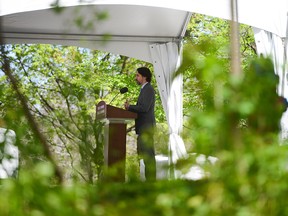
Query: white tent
(149, 30)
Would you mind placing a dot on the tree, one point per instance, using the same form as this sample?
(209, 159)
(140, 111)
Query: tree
(63, 85)
(207, 40)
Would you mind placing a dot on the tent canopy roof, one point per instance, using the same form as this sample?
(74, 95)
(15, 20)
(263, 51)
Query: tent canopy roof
(129, 28)
(131, 25)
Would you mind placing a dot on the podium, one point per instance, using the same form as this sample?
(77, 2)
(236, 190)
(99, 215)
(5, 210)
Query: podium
(115, 125)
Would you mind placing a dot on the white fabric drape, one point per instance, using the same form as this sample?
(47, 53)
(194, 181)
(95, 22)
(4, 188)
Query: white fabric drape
(175, 119)
(271, 45)
(10, 154)
(166, 59)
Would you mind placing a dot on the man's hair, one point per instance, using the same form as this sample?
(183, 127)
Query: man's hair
(145, 72)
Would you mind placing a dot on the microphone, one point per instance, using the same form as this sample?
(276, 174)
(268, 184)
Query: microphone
(122, 91)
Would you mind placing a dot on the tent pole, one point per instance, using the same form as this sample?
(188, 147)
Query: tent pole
(235, 52)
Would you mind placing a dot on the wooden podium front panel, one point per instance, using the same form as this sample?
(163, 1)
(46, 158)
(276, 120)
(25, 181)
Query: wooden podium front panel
(115, 150)
(115, 138)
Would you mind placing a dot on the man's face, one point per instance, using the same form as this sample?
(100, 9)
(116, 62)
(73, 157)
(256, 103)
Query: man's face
(140, 79)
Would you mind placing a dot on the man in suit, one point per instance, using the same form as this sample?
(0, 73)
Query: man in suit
(145, 121)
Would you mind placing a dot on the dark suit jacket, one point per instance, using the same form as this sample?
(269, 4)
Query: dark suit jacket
(144, 109)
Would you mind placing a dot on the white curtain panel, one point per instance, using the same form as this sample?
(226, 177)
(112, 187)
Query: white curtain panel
(10, 155)
(166, 59)
(175, 120)
(271, 45)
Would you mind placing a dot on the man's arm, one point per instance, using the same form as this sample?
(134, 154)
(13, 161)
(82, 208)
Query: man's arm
(145, 100)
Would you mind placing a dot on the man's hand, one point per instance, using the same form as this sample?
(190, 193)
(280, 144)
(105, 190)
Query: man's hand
(126, 105)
